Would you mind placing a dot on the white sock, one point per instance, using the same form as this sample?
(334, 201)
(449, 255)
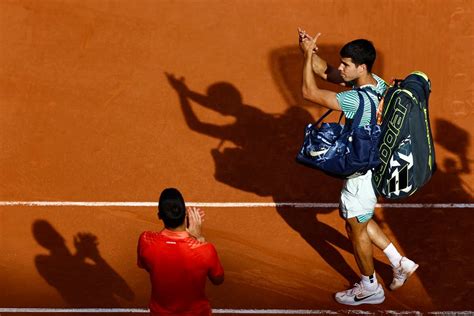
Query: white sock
(393, 255)
(369, 282)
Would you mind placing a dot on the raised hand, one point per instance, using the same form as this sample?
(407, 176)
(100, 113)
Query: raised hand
(302, 35)
(305, 40)
(195, 219)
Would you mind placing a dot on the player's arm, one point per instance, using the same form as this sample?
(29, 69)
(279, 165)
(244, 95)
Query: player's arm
(334, 75)
(140, 262)
(326, 71)
(310, 89)
(320, 67)
(216, 271)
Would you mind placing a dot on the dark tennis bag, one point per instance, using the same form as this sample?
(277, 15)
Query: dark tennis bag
(406, 147)
(342, 151)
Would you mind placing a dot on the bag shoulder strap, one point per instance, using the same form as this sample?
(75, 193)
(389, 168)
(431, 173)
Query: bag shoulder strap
(371, 91)
(381, 98)
(360, 110)
(383, 105)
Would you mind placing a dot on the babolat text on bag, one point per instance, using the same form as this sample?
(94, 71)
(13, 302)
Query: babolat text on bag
(407, 157)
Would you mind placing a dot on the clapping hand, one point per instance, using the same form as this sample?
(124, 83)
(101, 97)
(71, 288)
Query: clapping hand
(86, 245)
(195, 219)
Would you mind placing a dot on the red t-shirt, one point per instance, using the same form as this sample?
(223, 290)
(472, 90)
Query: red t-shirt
(178, 265)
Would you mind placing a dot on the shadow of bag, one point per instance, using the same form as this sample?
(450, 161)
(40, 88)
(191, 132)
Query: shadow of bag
(342, 151)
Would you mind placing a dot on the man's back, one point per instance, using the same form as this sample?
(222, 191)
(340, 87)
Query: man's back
(178, 265)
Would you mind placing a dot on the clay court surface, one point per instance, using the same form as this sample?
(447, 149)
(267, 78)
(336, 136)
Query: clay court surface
(88, 113)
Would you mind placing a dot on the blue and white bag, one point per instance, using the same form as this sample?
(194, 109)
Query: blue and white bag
(339, 150)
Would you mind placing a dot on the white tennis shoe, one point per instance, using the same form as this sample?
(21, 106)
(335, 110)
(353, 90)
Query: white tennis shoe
(403, 272)
(359, 295)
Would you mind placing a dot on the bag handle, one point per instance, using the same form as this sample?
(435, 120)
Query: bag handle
(326, 114)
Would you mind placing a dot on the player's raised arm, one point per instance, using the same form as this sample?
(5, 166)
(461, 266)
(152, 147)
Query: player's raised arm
(310, 89)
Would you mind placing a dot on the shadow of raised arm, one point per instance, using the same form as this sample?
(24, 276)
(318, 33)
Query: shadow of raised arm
(191, 118)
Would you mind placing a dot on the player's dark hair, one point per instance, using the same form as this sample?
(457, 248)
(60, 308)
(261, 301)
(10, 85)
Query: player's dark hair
(171, 208)
(361, 51)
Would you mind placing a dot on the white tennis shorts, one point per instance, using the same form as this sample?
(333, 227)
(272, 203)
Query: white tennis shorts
(358, 198)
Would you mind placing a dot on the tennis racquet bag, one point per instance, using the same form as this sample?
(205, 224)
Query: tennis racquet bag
(406, 147)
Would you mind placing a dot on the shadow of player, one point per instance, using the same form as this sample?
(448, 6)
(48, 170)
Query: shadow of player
(456, 165)
(440, 239)
(83, 279)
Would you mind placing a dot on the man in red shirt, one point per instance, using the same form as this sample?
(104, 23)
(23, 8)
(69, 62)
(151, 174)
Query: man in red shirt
(179, 260)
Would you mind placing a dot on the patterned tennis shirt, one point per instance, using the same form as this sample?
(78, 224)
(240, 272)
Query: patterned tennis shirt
(349, 100)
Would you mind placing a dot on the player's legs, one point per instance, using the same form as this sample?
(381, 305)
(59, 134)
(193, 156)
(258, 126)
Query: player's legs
(402, 267)
(362, 245)
(368, 290)
(357, 208)
(378, 237)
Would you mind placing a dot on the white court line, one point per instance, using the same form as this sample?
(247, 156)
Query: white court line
(234, 311)
(233, 204)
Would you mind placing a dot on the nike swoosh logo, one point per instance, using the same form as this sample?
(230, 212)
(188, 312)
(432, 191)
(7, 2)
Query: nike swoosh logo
(317, 153)
(358, 299)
